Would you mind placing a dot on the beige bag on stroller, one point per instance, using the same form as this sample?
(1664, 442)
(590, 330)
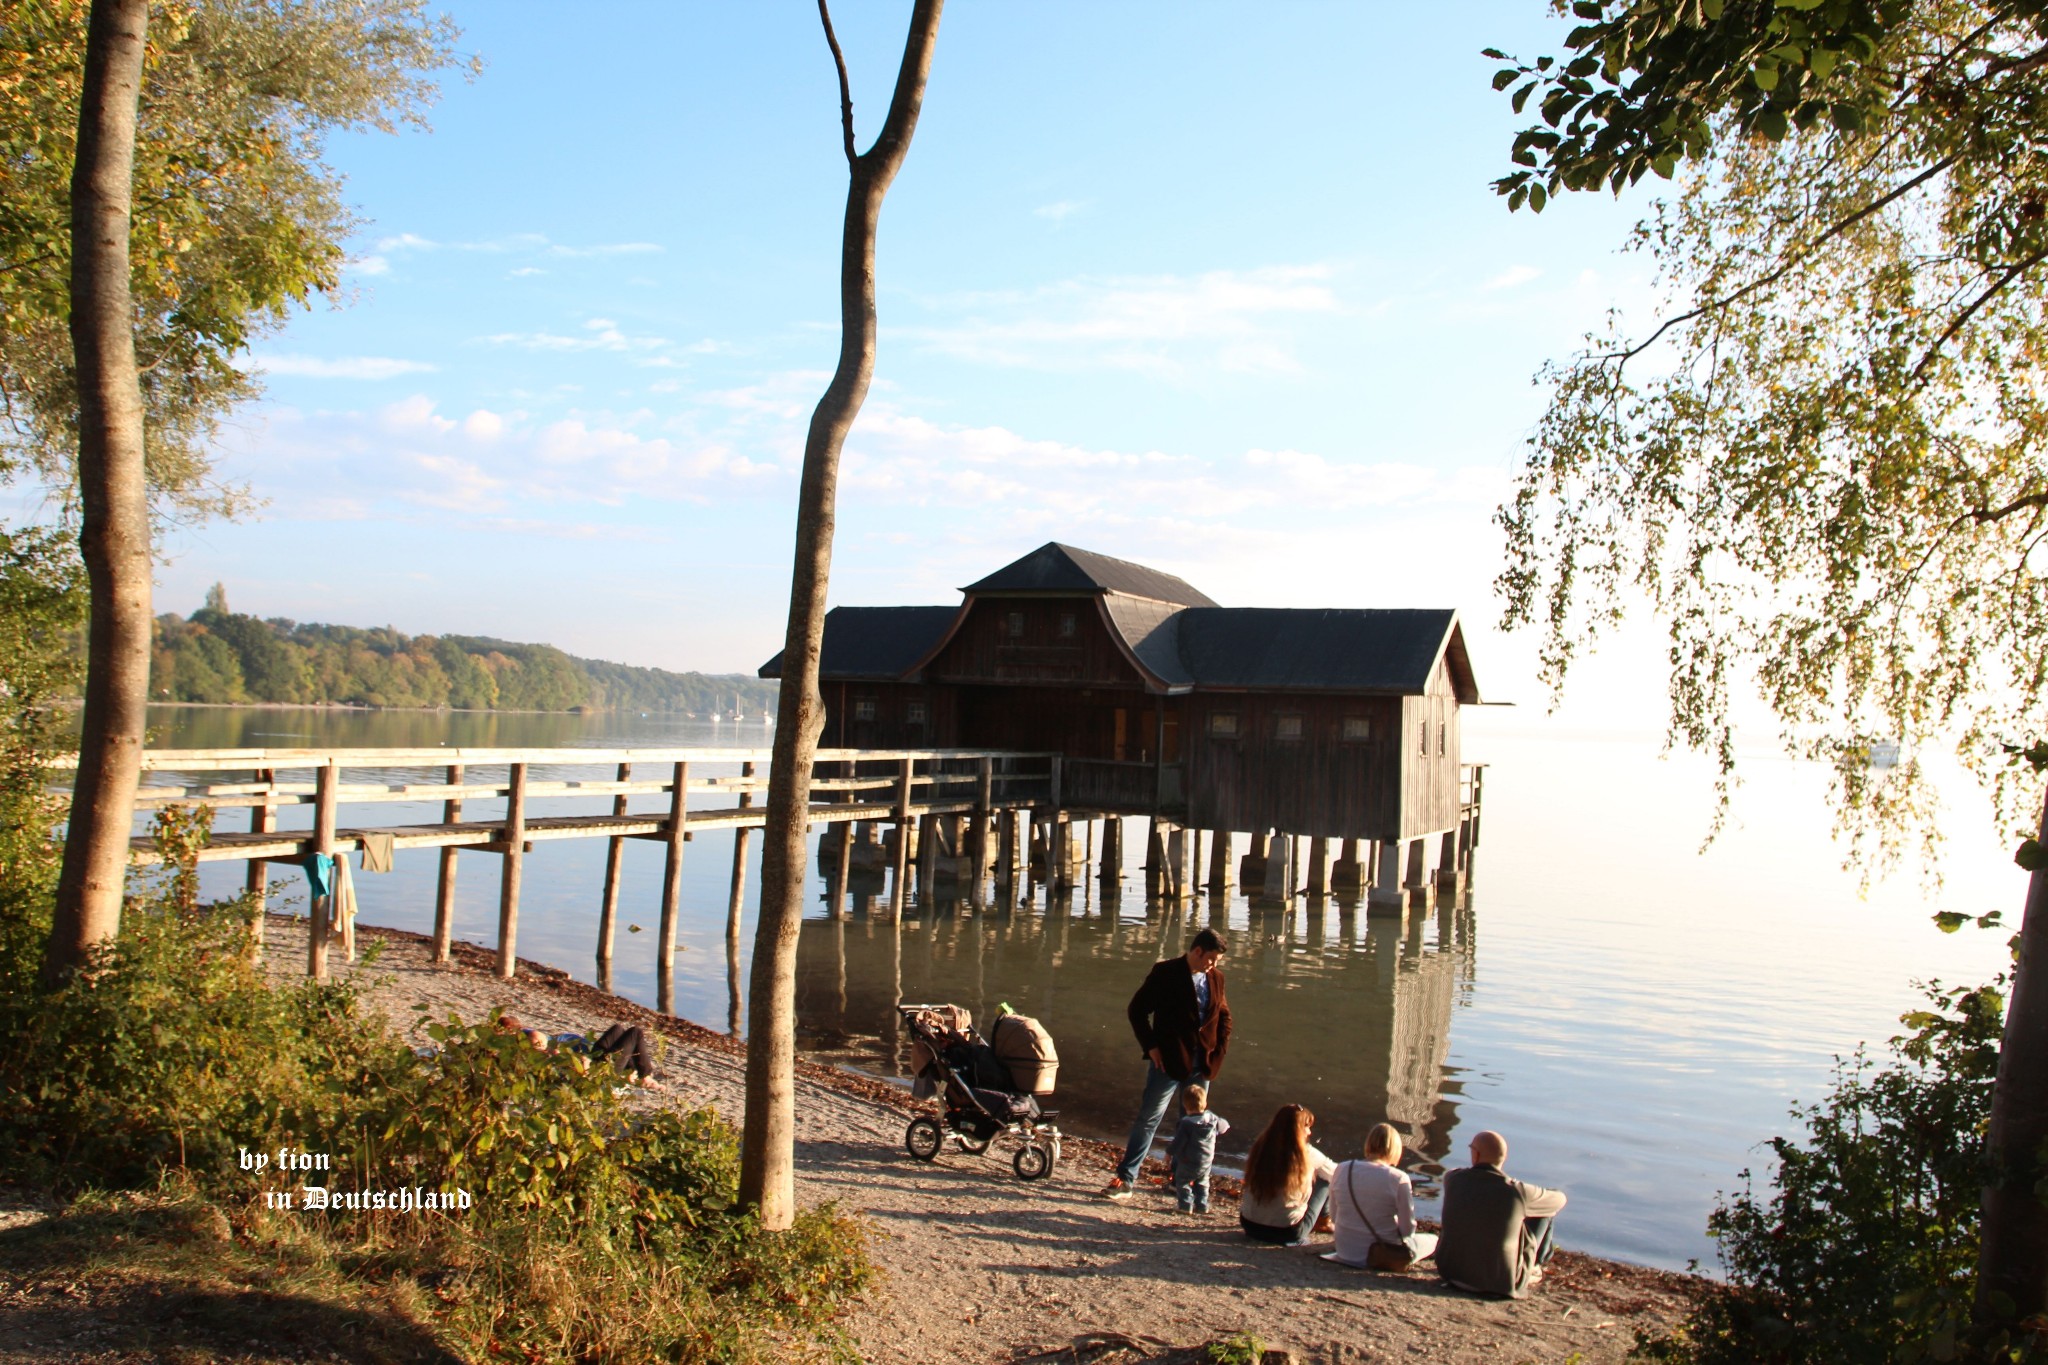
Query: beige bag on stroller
(1026, 1049)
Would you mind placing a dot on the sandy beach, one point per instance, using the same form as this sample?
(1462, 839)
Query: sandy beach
(981, 1267)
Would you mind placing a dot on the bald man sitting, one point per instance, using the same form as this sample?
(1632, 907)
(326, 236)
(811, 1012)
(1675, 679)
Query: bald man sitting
(1496, 1230)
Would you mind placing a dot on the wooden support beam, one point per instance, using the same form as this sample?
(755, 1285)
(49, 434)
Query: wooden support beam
(514, 840)
(1318, 869)
(1416, 854)
(608, 908)
(1219, 863)
(671, 890)
(736, 904)
(898, 893)
(1449, 875)
(1176, 881)
(444, 893)
(1386, 896)
(1278, 886)
(1006, 846)
(262, 820)
(984, 802)
(1251, 872)
(323, 842)
(836, 904)
(1112, 870)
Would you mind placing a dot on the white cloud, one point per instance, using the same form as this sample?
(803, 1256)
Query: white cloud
(521, 272)
(515, 243)
(1511, 277)
(339, 367)
(1061, 211)
(370, 265)
(600, 334)
(1166, 325)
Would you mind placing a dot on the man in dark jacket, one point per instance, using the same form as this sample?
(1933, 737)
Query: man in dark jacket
(1182, 1022)
(1496, 1229)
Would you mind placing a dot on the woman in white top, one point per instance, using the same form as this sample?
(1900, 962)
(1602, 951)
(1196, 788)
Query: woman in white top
(1371, 1201)
(1286, 1181)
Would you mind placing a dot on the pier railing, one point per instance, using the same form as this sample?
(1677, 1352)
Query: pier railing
(848, 785)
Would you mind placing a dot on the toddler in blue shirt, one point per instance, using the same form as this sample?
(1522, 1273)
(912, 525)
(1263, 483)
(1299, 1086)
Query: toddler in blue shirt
(1193, 1149)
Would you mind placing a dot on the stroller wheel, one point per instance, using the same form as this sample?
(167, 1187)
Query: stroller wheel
(1033, 1162)
(923, 1138)
(972, 1145)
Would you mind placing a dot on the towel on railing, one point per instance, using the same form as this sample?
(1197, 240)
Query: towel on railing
(376, 851)
(344, 907)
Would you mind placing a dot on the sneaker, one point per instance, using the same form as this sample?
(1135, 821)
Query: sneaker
(1118, 1190)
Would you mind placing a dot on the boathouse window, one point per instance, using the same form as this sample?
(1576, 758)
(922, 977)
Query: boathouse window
(1442, 739)
(1287, 727)
(1066, 625)
(1422, 734)
(1015, 624)
(1357, 727)
(913, 712)
(864, 708)
(1223, 724)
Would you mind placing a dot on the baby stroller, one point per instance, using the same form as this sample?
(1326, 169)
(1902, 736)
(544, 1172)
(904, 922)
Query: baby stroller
(985, 1090)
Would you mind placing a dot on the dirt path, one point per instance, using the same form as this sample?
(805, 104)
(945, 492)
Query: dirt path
(984, 1268)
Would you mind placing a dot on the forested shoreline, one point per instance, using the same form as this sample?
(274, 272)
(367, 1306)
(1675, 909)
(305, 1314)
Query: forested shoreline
(223, 657)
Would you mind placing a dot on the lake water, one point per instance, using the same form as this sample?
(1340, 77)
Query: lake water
(1635, 1015)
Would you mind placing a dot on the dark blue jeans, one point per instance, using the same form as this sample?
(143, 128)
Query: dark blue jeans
(1160, 1089)
(1298, 1233)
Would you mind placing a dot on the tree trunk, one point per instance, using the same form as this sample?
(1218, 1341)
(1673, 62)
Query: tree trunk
(114, 532)
(767, 1153)
(2012, 1259)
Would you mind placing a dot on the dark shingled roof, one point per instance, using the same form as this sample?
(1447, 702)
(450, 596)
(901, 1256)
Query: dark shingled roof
(875, 642)
(1342, 650)
(1054, 567)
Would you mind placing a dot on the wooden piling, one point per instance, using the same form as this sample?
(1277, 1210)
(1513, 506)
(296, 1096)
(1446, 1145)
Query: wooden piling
(1219, 863)
(898, 893)
(1176, 884)
(736, 904)
(514, 853)
(1006, 847)
(1386, 897)
(262, 819)
(608, 908)
(323, 842)
(1318, 869)
(671, 890)
(984, 801)
(1112, 870)
(836, 904)
(444, 894)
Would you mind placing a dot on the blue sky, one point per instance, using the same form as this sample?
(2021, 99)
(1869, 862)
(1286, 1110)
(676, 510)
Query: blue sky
(1216, 288)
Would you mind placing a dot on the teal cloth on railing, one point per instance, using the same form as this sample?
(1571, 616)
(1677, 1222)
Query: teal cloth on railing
(319, 869)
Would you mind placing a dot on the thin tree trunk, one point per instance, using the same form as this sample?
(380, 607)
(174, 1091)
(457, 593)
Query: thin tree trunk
(114, 533)
(2012, 1259)
(767, 1152)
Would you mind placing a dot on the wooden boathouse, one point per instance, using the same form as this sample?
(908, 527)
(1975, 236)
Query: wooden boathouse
(1315, 725)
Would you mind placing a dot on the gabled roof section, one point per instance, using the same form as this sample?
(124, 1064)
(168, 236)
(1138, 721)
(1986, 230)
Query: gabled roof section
(1340, 650)
(875, 642)
(1149, 631)
(1057, 568)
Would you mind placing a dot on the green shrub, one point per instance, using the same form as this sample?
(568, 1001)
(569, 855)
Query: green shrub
(1864, 1248)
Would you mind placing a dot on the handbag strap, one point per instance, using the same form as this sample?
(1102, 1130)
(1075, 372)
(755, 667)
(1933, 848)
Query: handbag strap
(1351, 1174)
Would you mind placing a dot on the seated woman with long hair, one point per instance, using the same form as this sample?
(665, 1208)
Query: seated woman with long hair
(1373, 1205)
(1286, 1181)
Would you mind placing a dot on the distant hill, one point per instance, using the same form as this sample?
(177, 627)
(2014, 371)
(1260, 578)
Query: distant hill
(217, 655)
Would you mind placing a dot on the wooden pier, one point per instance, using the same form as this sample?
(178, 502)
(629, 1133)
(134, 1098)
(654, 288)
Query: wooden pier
(961, 814)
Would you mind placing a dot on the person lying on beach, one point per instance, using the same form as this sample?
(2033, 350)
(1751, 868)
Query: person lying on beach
(1373, 1207)
(1497, 1233)
(626, 1046)
(1286, 1181)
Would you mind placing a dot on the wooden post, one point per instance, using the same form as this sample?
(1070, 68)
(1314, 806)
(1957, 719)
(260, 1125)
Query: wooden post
(262, 820)
(1386, 896)
(836, 907)
(1416, 854)
(514, 838)
(444, 896)
(928, 850)
(1448, 874)
(671, 890)
(1278, 885)
(1055, 783)
(323, 842)
(1318, 868)
(1176, 863)
(1251, 872)
(1112, 850)
(1348, 877)
(900, 869)
(984, 799)
(1006, 846)
(1219, 863)
(1062, 854)
(608, 910)
(736, 904)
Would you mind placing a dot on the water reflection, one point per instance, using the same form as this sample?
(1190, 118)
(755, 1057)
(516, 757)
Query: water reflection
(1346, 1012)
